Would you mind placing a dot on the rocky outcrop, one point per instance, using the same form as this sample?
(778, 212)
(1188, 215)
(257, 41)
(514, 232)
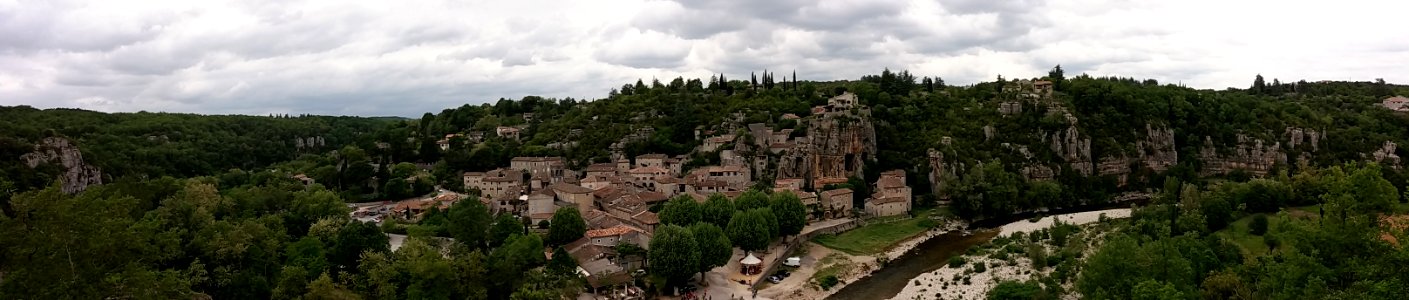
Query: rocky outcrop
(1010, 108)
(1157, 151)
(308, 143)
(1250, 154)
(1385, 154)
(77, 175)
(1300, 136)
(941, 172)
(837, 146)
(1072, 148)
(1038, 172)
(1115, 166)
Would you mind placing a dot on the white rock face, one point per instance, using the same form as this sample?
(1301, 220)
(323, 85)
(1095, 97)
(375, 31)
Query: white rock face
(77, 174)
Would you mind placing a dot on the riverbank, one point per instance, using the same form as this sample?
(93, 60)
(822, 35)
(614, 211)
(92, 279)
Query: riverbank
(819, 261)
(991, 263)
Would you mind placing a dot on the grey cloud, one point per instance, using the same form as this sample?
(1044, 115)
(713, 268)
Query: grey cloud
(384, 58)
(987, 6)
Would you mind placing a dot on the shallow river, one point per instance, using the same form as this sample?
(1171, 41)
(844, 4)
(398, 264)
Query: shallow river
(928, 256)
(932, 254)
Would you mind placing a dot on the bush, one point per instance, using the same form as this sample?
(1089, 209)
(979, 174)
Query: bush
(980, 267)
(957, 261)
(828, 282)
(1258, 226)
(1015, 290)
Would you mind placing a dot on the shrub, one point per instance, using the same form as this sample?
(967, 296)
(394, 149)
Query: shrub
(980, 267)
(957, 261)
(828, 282)
(1258, 226)
(1015, 290)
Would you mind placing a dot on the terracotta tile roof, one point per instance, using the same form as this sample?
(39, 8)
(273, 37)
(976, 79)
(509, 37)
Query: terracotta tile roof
(720, 139)
(665, 179)
(541, 216)
(651, 197)
(890, 182)
(649, 170)
(500, 179)
(887, 200)
(647, 217)
(711, 183)
(472, 174)
(570, 188)
(602, 167)
(614, 231)
(606, 192)
(537, 159)
(651, 156)
(721, 169)
(698, 197)
(545, 192)
(836, 192)
(606, 221)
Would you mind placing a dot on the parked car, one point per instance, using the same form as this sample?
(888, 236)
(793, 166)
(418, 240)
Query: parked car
(775, 279)
(793, 261)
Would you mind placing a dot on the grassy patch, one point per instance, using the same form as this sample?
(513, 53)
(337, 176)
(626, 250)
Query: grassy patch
(874, 238)
(1238, 233)
(834, 265)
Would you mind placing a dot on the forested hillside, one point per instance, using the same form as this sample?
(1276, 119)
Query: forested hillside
(151, 145)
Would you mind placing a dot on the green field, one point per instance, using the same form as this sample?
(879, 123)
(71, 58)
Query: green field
(1252, 245)
(874, 238)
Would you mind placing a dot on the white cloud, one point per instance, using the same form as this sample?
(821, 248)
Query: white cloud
(407, 57)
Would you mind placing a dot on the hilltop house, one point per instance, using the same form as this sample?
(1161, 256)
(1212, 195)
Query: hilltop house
(1396, 103)
(507, 132)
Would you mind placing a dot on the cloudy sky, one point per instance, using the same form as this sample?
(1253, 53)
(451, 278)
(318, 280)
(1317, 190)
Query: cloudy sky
(406, 57)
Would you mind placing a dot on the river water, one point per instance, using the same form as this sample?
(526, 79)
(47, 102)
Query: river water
(932, 254)
(927, 256)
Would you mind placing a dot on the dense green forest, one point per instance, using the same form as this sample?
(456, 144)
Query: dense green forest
(1324, 233)
(151, 145)
(208, 204)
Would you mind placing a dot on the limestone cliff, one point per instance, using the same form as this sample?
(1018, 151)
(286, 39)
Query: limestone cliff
(1385, 154)
(311, 143)
(77, 175)
(941, 171)
(1249, 154)
(1073, 148)
(1156, 150)
(836, 147)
